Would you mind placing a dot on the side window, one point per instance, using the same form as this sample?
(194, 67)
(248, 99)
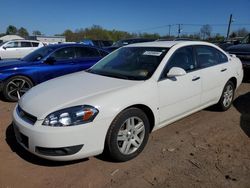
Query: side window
(64, 54)
(222, 57)
(207, 56)
(12, 45)
(83, 52)
(182, 58)
(35, 44)
(25, 44)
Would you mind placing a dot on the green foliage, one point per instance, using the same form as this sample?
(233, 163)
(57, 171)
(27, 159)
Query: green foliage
(242, 32)
(11, 30)
(97, 32)
(23, 32)
(36, 32)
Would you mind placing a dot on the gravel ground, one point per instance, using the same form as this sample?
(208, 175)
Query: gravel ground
(206, 149)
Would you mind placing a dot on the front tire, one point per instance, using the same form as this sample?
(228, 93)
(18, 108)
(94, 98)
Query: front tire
(227, 96)
(127, 135)
(15, 87)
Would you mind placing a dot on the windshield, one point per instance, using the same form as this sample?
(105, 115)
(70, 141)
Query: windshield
(39, 54)
(133, 63)
(2, 43)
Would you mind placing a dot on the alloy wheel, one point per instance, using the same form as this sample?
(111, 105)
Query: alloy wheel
(131, 135)
(228, 95)
(17, 87)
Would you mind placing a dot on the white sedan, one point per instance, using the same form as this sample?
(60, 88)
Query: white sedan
(117, 103)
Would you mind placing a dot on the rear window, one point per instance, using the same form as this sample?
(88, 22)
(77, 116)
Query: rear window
(86, 52)
(26, 44)
(35, 44)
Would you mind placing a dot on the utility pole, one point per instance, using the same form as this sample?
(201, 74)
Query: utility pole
(179, 30)
(229, 25)
(169, 29)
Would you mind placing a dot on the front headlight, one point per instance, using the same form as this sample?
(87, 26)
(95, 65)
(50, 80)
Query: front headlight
(71, 116)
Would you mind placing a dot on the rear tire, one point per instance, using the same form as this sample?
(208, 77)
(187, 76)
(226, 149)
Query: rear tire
(15, 87)
(127, 135)
(227, 96)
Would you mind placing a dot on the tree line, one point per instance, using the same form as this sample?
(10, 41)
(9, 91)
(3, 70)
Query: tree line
(97, 32)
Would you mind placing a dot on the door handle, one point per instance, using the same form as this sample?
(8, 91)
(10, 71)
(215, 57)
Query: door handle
(196, 78)
(223, 70)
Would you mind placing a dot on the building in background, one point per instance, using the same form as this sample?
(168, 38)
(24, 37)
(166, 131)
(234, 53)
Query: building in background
(9, 37)
(49, 39)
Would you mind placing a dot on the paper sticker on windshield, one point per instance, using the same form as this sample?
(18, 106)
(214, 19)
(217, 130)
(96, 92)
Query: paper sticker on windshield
(152, 53)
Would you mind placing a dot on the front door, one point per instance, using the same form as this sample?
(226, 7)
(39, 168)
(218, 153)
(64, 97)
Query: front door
(179, 95)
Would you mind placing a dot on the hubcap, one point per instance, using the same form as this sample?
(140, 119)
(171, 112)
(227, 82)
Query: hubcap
(130, 135)
(17, 87)
(228, 96)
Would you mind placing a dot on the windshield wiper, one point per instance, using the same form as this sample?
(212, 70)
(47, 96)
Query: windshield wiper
(113, 75)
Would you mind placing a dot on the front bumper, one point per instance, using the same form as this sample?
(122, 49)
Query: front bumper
(61, 143)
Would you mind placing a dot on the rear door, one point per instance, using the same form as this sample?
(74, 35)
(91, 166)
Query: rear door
(25, 49)
(214, 68)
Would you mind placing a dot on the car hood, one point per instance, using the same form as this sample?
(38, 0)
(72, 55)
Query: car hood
(241, 48)
(69, 90)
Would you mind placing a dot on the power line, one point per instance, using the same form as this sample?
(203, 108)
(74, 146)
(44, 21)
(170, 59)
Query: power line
(189, 24)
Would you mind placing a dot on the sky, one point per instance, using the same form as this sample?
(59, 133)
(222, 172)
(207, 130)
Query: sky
(152, 16)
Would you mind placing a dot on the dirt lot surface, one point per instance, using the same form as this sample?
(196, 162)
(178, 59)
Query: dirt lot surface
(206, 149)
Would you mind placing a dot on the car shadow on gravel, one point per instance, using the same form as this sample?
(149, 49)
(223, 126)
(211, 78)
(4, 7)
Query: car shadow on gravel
(246, 78)
(2, 98)
(242, 104)
(27, 156)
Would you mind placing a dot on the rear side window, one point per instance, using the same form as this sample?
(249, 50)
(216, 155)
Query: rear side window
(26, 44)
(206, 56)
(222, 57)
(64, 54)
(35, 44)
(83, 52)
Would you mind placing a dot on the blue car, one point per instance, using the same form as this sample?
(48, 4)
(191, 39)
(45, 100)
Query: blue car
(18, 76)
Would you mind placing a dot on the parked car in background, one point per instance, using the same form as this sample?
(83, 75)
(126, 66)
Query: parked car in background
(125, 42)
(242, 51)
(115, 104)
(97, 43)
(17, 77)
(15, 49)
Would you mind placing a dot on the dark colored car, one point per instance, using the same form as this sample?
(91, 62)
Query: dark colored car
(97, 43)
(242, 51)
(125, 42)
(17, 77)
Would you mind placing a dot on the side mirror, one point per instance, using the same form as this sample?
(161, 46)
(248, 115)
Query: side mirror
(50, 60)
(4, 47)
(176, 71)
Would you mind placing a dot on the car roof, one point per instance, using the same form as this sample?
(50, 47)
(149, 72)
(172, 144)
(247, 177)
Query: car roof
(168, 44)
(72, 45)
(24, 40)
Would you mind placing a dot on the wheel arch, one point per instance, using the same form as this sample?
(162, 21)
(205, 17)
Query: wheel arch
(234, 80)
(149, 113)
(23, 75)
